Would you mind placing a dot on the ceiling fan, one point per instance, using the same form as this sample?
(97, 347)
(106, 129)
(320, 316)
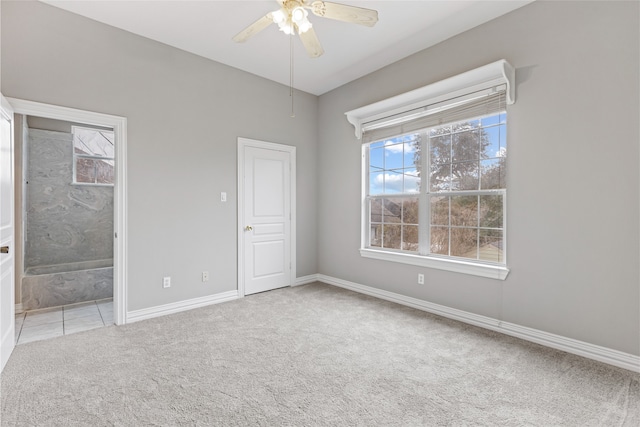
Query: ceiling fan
(292, 18)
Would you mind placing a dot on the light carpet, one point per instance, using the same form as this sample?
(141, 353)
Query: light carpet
(313, 355)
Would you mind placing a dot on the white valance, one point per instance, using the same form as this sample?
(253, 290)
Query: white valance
(451, 93)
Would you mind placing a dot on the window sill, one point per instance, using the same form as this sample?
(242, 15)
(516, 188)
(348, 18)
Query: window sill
(465, 267)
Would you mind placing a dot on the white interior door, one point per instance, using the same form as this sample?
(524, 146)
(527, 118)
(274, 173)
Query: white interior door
(265, 220)
(7, 290)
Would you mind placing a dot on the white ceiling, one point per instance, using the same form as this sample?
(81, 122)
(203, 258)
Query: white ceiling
(206, 27)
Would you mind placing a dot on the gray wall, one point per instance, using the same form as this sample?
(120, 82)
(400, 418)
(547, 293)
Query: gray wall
(572, 177)
(184, 114)
(65, 222)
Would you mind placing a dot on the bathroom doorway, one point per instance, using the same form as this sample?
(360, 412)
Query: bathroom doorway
(73, 224)
(67, 227)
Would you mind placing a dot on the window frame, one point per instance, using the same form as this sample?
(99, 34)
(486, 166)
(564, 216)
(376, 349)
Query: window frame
(77, 156)
(423, 257)
(405, 107)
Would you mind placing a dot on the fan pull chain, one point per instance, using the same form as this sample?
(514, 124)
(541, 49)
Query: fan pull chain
(293, 114)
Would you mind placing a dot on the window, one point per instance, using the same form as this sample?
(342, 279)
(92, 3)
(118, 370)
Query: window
(463, 190)
(93, 156)
(434, 173)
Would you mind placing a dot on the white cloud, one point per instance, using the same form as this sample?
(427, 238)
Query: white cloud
(392, 182)
(502, 152)
(398, 148)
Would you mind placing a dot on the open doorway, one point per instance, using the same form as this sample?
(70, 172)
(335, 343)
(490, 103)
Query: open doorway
(66, 211)
(85, 255)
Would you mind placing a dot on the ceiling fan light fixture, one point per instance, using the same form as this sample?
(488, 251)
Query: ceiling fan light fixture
(299, 15)
(282, 18)
(279, 16)
(304, 26)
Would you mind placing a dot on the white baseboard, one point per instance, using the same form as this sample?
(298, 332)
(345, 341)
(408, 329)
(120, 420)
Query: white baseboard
(305, 279)
(19, 308)
(176, 307)
(590, 351)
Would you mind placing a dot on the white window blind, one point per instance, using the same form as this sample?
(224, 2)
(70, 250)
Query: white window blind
(446, 100)
(465, 107)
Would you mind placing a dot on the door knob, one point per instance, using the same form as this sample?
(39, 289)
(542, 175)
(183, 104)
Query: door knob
(4, 250)
(248, 228)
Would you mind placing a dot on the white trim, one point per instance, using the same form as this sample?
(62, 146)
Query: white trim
(464, 267)
(8, 272)
(305, 280)
(176, 307)
(19, 309)
(246, 142)
(8, 339)
(119, 125)
(580, 348)
(490, 75)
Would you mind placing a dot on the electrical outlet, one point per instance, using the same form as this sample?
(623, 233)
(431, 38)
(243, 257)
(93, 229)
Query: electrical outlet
(166, 282)
(420, 279)
(205, 276)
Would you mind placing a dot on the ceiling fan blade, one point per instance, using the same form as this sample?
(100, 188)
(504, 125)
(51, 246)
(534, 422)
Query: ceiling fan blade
(311, 43)
(254, 28)
(342, 12)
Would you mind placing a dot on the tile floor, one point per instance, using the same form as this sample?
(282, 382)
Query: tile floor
(54, 322)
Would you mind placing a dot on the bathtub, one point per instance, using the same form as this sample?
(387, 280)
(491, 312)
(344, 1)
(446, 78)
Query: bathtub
(56, 285)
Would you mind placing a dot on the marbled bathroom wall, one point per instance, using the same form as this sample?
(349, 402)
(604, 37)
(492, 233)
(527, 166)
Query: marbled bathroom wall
(65, 223)
(70, 287)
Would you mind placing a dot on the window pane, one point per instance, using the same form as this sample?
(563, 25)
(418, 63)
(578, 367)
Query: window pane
(376, 158)
(410, 212)
(491, 211)
(104, 171)
(492, 148)
(465, 176)
(411, 181)
(393, 181)
(464, 242)
(412, 156)
(375, 235)
(503, 137)
(465, 145)
(439, 210)
(392, 236)
(440, 240)
(440, 177)
(493, 174)
(376, 183)
(491, 120)
(491, 245)
(440, 149)
(86, 170)
(410, 237)
(393, 155)
(375, 210)
(464, 211)
(391, 210)
(93, 142)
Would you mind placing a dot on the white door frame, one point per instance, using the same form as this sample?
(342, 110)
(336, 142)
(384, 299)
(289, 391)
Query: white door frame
(119, 125)
(242, 143)
(8, 337)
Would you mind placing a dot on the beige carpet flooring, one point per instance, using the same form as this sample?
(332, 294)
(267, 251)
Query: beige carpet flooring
(313, 355)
